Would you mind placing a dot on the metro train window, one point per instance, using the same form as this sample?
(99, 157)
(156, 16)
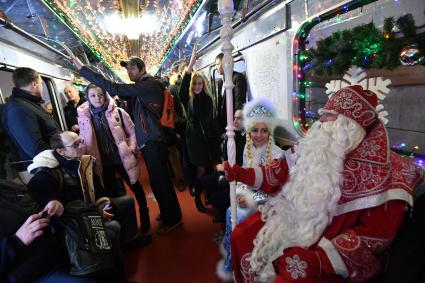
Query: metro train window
(405, 100)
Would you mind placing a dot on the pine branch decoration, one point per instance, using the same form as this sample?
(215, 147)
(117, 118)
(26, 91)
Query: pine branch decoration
(365, 46)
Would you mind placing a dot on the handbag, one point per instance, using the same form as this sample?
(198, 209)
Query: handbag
(89, 249)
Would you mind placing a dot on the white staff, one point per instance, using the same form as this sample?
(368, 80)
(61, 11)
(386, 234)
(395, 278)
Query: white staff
(225, 7)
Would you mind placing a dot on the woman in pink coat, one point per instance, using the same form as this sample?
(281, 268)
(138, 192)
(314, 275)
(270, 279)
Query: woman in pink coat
(108, 135)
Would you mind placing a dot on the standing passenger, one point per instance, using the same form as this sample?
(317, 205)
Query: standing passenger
(239, 93)
(202, 144)
(109, 136)
(147, 109)
(28, 125)
(70, 110)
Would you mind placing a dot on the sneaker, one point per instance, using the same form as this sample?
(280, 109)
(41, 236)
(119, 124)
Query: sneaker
(165, 229)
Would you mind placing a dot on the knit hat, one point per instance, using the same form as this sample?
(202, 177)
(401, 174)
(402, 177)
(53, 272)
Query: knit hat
(355, 103)
(259, 110)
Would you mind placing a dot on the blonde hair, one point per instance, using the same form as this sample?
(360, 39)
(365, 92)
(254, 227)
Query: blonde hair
(248, 147)
(205, 87)
(173, 79)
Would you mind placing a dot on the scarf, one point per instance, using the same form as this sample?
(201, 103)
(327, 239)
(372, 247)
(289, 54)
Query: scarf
(104, 137)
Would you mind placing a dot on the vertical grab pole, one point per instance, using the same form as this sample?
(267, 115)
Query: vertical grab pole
(225, 7)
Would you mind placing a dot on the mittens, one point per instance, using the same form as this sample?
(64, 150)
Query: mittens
(298, 265)
(237, 173)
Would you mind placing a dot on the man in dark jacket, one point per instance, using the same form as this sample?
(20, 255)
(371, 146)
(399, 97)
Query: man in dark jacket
(147, 110)
(70, 109)
(65, 174)
(217, 187)
(29, 251)
(239, 93)
(28, 125)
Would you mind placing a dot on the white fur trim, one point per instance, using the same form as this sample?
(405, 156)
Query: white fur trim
(43, 159)
(223, 275)
(374, 200)
(334, 257)
(250, 118)
(258, 177)
(246, 192)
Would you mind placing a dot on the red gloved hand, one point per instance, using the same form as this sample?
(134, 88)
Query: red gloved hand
(229, 171)
(237, 173)
(298, 265)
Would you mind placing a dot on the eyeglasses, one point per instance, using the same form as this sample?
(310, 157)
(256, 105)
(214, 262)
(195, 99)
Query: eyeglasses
(75, 144)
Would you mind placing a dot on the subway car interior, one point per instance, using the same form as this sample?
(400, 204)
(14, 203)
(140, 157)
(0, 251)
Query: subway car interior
(94, 82)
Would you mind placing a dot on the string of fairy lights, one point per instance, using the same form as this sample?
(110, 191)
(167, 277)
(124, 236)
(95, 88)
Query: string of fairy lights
(89, 21)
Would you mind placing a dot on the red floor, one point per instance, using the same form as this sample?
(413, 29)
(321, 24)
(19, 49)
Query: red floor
(188, 254)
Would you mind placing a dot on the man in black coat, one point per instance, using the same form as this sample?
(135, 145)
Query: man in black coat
(65, 174)
(216, 186)
(239, 93)
(70, 109)
(147, 106)
(28, 125)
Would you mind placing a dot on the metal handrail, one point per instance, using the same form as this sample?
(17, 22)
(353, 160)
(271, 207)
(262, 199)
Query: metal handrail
(9, 25)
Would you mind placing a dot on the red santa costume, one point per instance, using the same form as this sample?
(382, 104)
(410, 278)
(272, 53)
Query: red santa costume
(345, 200)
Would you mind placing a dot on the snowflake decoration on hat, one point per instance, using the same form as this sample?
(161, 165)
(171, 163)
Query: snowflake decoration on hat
(260, 111)
(357, 76)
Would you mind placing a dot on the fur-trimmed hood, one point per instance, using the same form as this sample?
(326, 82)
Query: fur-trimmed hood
(44, 159)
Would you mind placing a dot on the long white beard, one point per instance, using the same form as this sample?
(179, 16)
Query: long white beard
(299, 214)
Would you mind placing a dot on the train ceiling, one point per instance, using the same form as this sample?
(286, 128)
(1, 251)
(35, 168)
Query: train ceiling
(112, 30)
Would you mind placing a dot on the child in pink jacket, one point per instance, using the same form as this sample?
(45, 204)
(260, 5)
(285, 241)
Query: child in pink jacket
(109, 136)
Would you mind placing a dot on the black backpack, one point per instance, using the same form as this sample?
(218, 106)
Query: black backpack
(86, 241)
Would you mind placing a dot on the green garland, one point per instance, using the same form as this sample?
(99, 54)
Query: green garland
(365, 46)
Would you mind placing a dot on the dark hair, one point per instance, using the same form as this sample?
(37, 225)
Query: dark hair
(89, 87)
(133, 61)
(140, 65)
(56, 141)
(24, 76)
(219, 56)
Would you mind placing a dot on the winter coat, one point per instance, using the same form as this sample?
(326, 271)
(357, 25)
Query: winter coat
(239, 98)
(122, 131)
(70, 111)
(28, 125)
(147, 101)
(77, 182)
(20, 263)
(202, 142)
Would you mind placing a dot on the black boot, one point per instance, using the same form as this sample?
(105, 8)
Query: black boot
(199, 205)
(197, 194)
(145, 222)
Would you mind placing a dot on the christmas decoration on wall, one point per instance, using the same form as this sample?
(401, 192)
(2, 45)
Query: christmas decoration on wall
(368, 47)
(411, 55)
(357, 76)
